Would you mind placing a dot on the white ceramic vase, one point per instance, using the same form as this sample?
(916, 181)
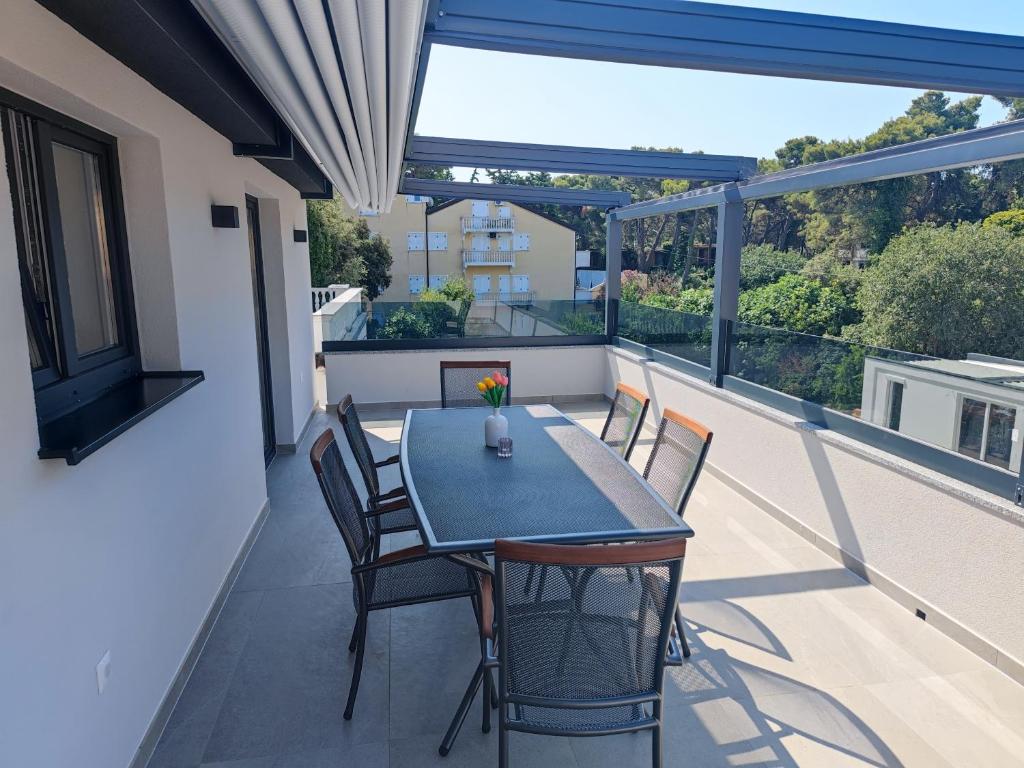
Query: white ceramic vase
(495, 428)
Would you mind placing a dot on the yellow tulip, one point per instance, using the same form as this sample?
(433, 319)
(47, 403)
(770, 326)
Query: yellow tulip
(490, 383)
(481, 386)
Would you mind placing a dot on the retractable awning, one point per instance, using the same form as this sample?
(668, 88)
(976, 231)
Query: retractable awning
(340, 73)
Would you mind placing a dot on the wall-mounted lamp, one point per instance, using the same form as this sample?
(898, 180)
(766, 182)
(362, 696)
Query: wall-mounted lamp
(224, 216)
(301, 236)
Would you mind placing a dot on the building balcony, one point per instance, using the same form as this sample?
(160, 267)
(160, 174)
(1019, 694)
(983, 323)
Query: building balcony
(488, 224)
(481, 258)
(797, 659)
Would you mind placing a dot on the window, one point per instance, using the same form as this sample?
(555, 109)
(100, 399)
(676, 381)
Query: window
(71, 254)
(895, 405)
(437, 282)
(986, 431)
(438, 241)
(415, 241)
(521, 242)
(520, 283)
(415, 284)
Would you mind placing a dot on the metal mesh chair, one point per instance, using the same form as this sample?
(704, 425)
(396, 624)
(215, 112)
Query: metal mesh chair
(391, 509)
(405, 577)
(677, 458)
(625, 419)
(459, 378)
(585, 658)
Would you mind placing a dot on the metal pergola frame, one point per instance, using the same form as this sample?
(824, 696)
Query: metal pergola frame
(694, 35)
(513, 193)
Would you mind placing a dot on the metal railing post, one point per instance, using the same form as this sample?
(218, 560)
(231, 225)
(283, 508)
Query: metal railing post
(728, 244)
(612, 276)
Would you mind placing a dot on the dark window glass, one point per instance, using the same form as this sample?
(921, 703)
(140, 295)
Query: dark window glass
(22, 167)
(999, 442)
(86, 251)
(895, 405)
(972, 427)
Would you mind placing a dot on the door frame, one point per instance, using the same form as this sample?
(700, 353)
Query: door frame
(262, 329)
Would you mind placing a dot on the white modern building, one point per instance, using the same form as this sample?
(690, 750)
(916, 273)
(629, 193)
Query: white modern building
(973, 406)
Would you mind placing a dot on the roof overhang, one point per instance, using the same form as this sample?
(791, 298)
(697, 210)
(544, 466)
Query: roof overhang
(677, 33)
(340, 73)
(433, 150)
(511, 193)
(172, 47)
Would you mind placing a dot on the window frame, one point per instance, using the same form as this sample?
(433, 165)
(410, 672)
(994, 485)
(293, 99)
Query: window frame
(985, 427)
(72, 379)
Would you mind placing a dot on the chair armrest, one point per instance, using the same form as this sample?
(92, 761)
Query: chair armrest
(485, 588)
(394, 493)
(407, 555)
(387, 461)
(383, 509)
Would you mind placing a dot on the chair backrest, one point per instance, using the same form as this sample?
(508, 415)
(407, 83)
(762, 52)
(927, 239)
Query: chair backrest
(677, 457)
(625, 419)
(596, 628)
(349, 418)
(459, 378)
(340, 495)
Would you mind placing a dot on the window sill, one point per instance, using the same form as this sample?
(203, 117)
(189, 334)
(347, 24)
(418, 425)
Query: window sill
(89, 427)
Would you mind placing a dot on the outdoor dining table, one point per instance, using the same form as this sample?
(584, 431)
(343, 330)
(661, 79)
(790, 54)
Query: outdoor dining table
(561, 485)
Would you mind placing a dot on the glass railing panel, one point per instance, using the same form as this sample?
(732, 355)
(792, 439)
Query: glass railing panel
(974, 407)
(676, 333)
(486, 316)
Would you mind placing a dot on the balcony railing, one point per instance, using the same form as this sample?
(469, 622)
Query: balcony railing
(480, 258)
(488, 224)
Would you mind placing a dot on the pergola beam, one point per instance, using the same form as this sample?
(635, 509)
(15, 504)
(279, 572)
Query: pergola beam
(432, 150)
(677, 33)
(981, 146)
(512, 193)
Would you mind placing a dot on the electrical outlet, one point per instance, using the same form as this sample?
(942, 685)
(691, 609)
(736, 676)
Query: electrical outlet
(103, 672)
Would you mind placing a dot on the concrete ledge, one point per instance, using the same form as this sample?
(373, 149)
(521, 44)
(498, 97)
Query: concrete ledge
(404, 406)
(907, 599)
(163, 712)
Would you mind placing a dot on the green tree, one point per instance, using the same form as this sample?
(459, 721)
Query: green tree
(799, 304)
(343, 250)
(946, 291)
(764, 264)
(1011, 221)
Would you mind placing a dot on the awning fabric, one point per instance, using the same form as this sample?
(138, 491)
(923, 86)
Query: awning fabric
(340, 73)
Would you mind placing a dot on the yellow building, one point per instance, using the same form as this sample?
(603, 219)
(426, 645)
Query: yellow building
(500, 249)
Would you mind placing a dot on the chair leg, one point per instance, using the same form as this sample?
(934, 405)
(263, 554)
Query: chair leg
(486, 701)
(358, 669)
(355, 634)
(494, 691)
(656, 756)
(529, 580)
(462, 711)
(502, 744)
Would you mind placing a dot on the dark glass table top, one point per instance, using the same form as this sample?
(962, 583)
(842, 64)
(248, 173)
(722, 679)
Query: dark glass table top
(562, 484)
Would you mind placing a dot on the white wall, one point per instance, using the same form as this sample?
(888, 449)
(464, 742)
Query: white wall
(127, 551)
(958, 550)
(414, 376)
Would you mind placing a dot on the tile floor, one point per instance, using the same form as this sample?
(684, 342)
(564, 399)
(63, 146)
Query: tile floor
(796, 661)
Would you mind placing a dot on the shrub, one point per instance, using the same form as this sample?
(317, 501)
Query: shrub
(405, 324)
(763, 265)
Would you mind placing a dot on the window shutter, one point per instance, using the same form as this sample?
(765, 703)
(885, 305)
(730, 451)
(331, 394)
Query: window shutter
(437, 281)
(415, 283)
(522, 241)
(439, 241)
(415, 241)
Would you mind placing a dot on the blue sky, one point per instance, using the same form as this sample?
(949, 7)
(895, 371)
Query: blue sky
(565, 101)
